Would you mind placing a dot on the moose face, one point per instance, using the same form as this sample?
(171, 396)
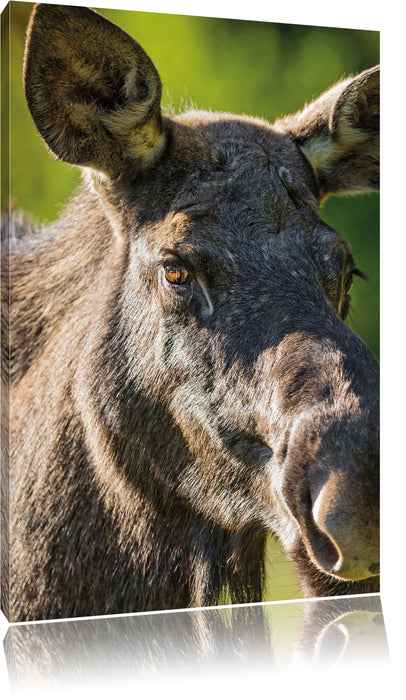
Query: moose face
(226, 334)
(246, 292)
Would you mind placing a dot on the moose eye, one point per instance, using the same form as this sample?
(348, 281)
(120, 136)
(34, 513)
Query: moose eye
(177, 274)
(344, 305)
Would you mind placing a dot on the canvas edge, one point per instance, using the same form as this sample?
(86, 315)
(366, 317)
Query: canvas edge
(5, 394)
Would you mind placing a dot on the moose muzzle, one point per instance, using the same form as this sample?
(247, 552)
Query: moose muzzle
(336, 502)
(343, 528)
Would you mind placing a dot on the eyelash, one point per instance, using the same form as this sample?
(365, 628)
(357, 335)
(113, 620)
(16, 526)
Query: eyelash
(345, 304)
(354, 272)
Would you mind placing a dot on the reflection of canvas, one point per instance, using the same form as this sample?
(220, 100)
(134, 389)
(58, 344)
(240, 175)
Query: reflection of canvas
(242, 642)
(184, 382)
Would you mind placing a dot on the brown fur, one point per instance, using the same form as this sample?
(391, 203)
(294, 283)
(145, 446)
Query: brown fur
(158, 433)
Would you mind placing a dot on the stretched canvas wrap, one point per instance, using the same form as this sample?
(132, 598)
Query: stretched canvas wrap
(189, 312)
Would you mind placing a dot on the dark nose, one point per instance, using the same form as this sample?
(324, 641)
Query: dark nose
(330, 393)
(343, 527)
(331, 485)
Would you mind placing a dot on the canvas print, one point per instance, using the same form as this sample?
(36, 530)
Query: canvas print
(190, 397)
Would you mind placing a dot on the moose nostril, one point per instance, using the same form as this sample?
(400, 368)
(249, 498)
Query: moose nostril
(375, 568)
(324, 549)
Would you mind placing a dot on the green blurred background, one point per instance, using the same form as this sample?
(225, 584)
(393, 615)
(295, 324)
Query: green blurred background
(257, 68)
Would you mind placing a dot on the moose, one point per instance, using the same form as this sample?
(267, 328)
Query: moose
(182, 380)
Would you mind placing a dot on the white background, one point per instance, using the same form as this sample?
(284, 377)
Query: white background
(388, 18)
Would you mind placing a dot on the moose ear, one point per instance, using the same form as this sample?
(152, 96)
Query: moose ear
(92, 91)
(339, 135)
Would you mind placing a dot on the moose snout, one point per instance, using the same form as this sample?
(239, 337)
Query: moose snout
(332, 489)
(342, 528)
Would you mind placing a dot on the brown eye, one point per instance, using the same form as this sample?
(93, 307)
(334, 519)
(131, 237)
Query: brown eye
(177, 274)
